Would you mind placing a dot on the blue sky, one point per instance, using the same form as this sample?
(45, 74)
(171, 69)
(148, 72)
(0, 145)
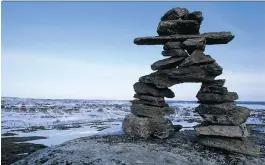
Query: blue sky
(85, 49)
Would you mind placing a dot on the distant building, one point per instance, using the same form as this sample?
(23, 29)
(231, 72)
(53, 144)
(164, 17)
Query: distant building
(23, 108)
(76, 109)
(32, 109)
(14, 108)
(43, 109)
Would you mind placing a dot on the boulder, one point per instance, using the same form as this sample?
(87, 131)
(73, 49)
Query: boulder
(172, 45)
(175, 53)
(222, 130)
(175, 13)
(158, 80)
(194, 44)
(137, 126)
(196, 15)
(197, 58)
(146, 127)
(216, 97)
(211, 38)
(171, 27)
(162, 128)
(243, 146)
(235, 116)
(149, 89)
(167, 63)
(214, 83)
(218, 109)
(198, 73)
(149, 98)
(152, 103)
(139, 109)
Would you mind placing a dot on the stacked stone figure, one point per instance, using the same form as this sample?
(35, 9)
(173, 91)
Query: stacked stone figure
(185, 61)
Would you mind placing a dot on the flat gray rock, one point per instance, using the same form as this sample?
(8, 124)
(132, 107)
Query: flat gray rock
(198, 73)
(236, 116)
(197, 58)
(152, 103)
(211, 38)
(172, 45)
(167, 63)
(149, 89)
(218, 109)
(233, 145)
(149, 98)
(223, 130)
(214, 83)
(175, 53)
(159, 80)
(171, 27)
(137, 126)
(143, 110)
(214, 89)
(146, 127)
(175, 13)
(216, 97)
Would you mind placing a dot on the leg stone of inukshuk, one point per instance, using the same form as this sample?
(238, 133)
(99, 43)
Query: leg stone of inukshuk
(185, 61)
(225, 121)
(148, 111)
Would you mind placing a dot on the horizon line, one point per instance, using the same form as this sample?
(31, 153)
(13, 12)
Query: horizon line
(110, 99)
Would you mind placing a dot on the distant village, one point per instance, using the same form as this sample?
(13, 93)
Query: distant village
(44, 108)
(47, 106)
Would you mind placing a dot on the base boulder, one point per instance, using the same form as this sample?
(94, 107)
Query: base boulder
(232, 145)
(146, 127)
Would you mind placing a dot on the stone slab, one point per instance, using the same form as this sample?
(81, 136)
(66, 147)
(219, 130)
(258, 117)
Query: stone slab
(223, 130)
(143, 110)
(211, 38)
(232, 145)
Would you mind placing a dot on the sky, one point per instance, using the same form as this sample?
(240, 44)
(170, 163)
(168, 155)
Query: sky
(85, 50)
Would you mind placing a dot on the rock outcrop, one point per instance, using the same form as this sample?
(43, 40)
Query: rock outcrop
(186, 61)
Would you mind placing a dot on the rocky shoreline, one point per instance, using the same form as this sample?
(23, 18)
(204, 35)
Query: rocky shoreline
(182, 148)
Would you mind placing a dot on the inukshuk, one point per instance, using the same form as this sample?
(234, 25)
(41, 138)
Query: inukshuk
(184, 47)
